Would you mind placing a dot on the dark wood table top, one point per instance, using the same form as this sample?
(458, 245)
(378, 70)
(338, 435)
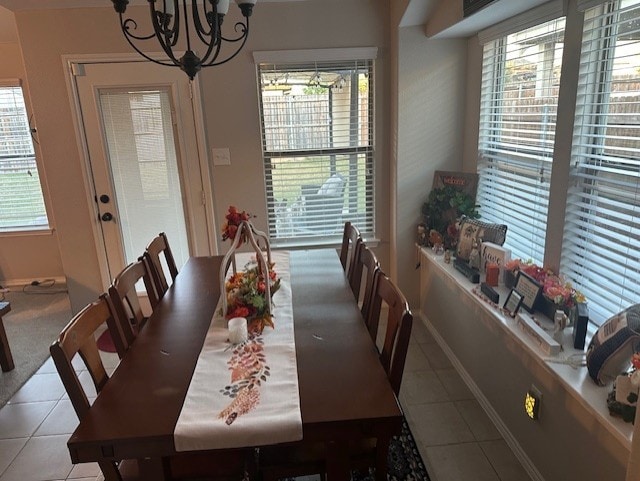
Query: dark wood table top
(343, 388)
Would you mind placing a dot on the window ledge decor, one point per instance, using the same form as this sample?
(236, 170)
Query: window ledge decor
(443, 208)
(557, 293)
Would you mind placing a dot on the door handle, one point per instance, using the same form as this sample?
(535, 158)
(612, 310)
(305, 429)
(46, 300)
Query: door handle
(107, 216)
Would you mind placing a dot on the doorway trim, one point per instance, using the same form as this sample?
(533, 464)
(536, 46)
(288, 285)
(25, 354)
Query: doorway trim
(71, 64)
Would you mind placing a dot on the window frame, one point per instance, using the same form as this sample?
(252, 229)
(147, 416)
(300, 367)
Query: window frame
(42, 229)
(331, 59)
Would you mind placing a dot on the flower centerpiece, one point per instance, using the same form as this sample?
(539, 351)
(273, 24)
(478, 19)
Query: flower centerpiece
(557, 292)
(247, 293)
(246, 296)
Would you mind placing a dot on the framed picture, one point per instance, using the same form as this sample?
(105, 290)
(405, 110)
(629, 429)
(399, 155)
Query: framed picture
(529, 288)
(513, 303)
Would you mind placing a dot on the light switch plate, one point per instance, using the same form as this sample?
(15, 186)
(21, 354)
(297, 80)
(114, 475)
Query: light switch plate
(221, 156)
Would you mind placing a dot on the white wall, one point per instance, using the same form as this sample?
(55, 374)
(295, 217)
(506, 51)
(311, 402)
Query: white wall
(230, 107)
(23, 257)
(431, 100)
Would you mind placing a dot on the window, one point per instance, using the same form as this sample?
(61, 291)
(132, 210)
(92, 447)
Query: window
(21, 199)
(602, 231)
(317, 138)
(519, 98)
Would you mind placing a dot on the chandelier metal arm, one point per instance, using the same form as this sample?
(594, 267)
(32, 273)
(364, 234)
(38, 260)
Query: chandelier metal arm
(244, 38)
(128, 36)
(244, 29)
(207, 58)
(166, 36)
(203, 33)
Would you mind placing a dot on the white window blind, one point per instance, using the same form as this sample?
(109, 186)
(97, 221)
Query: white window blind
(601, 249)
(317, 139)
(21, 199)
(520, 83)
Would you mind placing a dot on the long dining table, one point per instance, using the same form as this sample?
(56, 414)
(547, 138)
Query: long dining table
(344, 392)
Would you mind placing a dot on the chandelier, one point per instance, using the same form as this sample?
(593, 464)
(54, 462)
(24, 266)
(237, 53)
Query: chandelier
(197, 25)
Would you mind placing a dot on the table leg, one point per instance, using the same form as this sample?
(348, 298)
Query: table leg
(153, 469)
(338, 468)
(382, 454)
(6, 359)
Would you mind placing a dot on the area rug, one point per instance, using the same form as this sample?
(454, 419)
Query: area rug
(404, 461)
(32, 325)
(105, 342)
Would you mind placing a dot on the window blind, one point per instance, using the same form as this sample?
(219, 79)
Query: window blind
(21, 199)
(519, 98)
(601, 250)
(317, 139)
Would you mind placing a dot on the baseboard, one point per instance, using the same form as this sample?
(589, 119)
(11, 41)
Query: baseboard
(511, 441)
(60, 282)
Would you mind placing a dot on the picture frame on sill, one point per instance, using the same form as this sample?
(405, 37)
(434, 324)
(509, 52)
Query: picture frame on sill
(513, 303)
(529, 288)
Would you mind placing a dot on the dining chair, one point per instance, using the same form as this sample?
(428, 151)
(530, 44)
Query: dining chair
(78, 337)
(127, 310)
(155, 251)
(350, 238)
(397, 331)
(365, 262)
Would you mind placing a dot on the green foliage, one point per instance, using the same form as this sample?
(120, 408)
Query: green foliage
(446, 204)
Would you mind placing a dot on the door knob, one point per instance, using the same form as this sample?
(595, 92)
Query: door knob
(107, 216)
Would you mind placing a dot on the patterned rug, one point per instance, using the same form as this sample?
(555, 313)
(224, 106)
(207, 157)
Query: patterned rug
(405, 462)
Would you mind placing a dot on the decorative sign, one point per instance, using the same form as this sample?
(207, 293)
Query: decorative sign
(491, 253)
(529, 288)
(513, 303)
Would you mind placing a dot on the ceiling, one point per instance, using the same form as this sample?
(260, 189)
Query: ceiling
(48, 4)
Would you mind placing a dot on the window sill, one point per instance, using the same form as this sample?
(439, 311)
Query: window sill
(27, 232)
(575, 381)
(316, 244)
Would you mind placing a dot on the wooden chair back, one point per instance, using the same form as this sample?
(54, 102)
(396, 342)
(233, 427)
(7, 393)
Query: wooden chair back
(127, 310)
(158, 248)
(78, 337)
(350, 238)
(398, 330)
(367, 262)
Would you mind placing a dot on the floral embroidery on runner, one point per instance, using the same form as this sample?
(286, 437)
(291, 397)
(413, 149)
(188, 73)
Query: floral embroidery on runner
(248, 370)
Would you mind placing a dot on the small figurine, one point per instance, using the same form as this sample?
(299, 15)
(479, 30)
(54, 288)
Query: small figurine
(422, 235)
(435, 238)
(474, 255)
(447, 256)
(560, 320)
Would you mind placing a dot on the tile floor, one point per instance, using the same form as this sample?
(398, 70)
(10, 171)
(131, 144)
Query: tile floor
(456, 438)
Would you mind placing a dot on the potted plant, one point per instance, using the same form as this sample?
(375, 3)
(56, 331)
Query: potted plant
(444, 206)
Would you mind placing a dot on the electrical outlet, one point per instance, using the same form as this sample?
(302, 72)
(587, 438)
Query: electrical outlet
(532, 402)
(221, 156)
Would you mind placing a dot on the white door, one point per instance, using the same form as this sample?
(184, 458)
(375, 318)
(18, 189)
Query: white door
(140, 131)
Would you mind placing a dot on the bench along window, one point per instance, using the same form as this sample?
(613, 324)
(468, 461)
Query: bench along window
(519, 99)
(317, 139)
(602, 230)
(21, 200)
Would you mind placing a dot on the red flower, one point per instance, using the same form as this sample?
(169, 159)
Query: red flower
(262, 286)
(233, 220)
(240, 311)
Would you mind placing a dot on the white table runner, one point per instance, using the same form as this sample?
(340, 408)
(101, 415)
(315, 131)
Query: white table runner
(221, 410)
